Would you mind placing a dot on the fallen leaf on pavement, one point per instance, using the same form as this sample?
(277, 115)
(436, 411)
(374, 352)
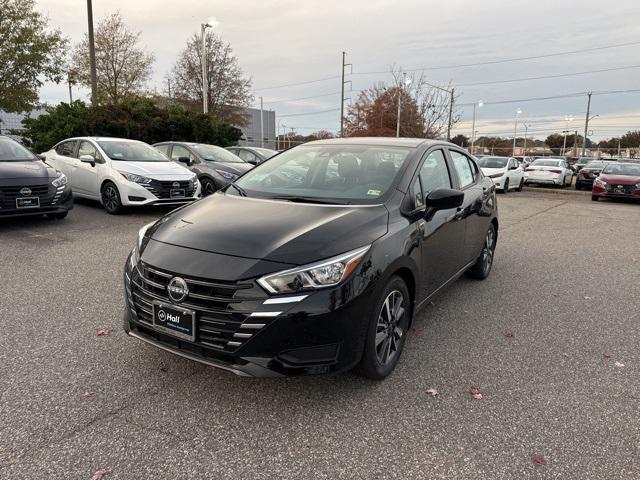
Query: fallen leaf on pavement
(508, 334)
(103, 331)
(164, 369)
(618, 364)
(538, 459)
(98, 474)
(418, 329)
(587, 298)
(606, 355)
(88, 394)
(433, 392)
(475, 393)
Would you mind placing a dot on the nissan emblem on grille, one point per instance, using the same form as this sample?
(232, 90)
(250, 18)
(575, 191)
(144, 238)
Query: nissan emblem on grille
(25, 191)
(176, 184)
(177, 289)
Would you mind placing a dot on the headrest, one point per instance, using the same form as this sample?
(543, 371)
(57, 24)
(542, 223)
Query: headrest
(348, 166)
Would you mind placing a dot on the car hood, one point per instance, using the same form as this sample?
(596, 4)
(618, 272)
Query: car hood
(28, 170)
(236, 168)
(493, 171)
(620, 179)
(153, 169)
(278, 231)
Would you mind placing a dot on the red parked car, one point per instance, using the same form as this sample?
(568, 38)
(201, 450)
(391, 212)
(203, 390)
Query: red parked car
(617, 180)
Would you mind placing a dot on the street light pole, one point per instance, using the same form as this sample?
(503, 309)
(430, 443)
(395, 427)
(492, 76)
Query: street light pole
(450, 115)
(205, 81)
(92, 56)
(515, 132)
(405, 82)
(586, 125)
(261, 125)
(526, 129)
(473, 127)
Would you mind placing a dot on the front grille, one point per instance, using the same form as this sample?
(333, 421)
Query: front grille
(162, 189)
(220, 322)
(626, 189)
(48, 194)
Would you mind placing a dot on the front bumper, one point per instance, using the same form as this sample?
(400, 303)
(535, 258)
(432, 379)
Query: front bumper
(254, 334)
(132, 194)
(57, 200)
(499, 182)
(610, 192)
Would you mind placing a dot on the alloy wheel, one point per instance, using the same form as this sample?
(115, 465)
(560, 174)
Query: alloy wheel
(389, 329)
(488, 249)
(208, 187)
(110, 198)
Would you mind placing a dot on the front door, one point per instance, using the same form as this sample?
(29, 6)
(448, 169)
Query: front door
(85, 175)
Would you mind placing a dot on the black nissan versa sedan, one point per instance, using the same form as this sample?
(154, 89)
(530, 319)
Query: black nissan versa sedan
(28, 186)
(314, 261)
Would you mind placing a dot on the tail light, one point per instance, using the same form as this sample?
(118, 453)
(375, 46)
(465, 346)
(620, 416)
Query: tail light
(555, 170)
(529, 169)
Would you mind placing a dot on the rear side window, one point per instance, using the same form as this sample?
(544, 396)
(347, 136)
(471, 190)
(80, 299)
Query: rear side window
(66, 148)
(465, 168)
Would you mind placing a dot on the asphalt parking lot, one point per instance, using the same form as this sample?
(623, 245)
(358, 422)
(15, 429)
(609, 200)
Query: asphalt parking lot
(565, 283)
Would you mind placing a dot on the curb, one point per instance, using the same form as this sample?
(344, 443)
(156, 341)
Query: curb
(557, 191)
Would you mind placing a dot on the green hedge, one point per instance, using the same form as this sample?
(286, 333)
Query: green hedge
(138, 119)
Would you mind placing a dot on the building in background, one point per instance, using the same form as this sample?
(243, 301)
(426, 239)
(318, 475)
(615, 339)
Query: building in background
(12, 122)
(251, 131)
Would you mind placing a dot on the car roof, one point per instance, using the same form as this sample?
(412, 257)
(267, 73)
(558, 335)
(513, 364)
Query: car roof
(381, 141)
(97, 139)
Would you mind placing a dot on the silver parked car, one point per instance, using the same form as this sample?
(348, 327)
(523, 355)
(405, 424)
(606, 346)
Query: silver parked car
(253, 155)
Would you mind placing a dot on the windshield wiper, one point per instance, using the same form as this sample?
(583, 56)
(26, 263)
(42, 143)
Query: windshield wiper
(300, 199)
(240, 190)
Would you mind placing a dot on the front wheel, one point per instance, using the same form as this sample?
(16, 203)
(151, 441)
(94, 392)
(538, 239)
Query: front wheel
(520, 185)
(505, 188)
(594, 198)
(387, 331)
(208, 187)
(482, 268)
(111, 199)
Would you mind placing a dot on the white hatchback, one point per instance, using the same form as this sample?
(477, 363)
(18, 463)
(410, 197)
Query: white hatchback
(550, 171)
(119, 172)
(506, 172)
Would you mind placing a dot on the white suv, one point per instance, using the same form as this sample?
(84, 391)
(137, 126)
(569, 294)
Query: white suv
(120, 172)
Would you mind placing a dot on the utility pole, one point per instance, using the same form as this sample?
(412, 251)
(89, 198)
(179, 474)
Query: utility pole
(205, 86)
(526, 129)
(618, 149)
(575, 144)
(69, 81)
(92, 56)
(515, 132)
(586, 125)
(169, 87)
(342, 84)
(450, 115)
(261, 125)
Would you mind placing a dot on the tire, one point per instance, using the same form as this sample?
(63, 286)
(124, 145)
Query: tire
(521, 185)
(111, 199)
(57, 216)
(208, 186)
(578, 187)
(380, 357)
(482, 268)
(594, 198)
(505, 187)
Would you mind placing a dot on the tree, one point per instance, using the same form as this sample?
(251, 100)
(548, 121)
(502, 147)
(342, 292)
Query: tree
(228, 90)
(122, 67)
(138, 119)
(461, 140)
(29, 54)
(424, 110)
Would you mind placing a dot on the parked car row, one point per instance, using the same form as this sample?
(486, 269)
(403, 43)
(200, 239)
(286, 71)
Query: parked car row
(506, 172)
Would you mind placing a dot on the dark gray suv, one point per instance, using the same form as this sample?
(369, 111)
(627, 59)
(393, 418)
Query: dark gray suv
(215, 166)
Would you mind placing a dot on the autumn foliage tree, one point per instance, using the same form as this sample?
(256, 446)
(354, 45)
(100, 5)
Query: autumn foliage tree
(122, 66)
(229, 90)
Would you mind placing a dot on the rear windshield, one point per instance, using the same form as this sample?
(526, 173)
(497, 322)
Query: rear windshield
(493, 162)
(546, 163)
(622, 169)
(595, 165)
(12, 151)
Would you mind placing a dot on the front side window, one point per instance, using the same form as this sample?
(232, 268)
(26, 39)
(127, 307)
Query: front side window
(87, 148)
(164, 149)
(464, 168)
(434, 172)
(178, 152)
(131, 151)
(247, 156)
(12, 151)
(334, 173)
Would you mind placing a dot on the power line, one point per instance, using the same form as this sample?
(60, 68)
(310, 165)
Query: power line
(507, 60)
(285, 100)
(296, 84)
(310, 113)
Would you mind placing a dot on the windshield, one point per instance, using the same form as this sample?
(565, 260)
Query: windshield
(595, 165)
(344, 173)
(216, 154)
(546, 163)
(11, 151)
(493, 162)
(131, 151)
(622, 169)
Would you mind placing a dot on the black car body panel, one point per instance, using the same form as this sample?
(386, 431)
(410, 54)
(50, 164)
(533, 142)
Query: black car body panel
(223, 244)
(22, 181)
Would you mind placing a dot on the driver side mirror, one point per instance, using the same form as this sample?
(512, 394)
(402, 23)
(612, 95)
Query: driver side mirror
(88, 159)
(42, 157)
(185, 160)
(444, 199)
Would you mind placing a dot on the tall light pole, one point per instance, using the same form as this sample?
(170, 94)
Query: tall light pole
(92, 56)
(285, 128)
(515, 132)
(586, 125)
(567, 119)
(526, 129)
(405, 83)
(473, 126)
(211, 23)
(261, 125)
(342, 84)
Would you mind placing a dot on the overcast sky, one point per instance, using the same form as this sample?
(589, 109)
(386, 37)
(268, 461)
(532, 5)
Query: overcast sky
(288, 41)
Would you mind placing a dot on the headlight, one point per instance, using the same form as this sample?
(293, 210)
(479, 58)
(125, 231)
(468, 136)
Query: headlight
(60, 181)
(638, 186)
(497, 175)
(326, 273)
(600, 183)
(132, 177)
(135, 257)
(227, 175)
